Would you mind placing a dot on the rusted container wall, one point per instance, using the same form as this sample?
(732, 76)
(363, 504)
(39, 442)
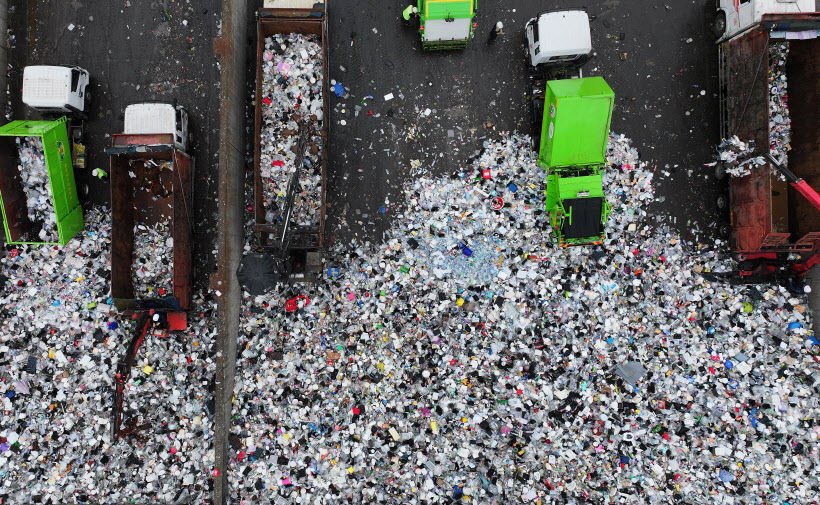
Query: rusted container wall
(746, 74)
(305, 21)
(762, 206)
(122, 228)
(128, 155)
(183, 228)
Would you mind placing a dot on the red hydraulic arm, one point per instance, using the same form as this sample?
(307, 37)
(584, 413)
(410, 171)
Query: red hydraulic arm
(808, 192)
(124, 369)
(797, 183)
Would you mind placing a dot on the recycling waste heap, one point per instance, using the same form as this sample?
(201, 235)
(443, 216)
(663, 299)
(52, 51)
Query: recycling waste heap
(60, 341)
(467, 357)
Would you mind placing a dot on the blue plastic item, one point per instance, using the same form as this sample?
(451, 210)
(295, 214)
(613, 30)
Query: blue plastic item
(339, 89)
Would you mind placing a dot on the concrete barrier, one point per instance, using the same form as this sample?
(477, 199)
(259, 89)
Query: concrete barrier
(231, 51)
(4, 65)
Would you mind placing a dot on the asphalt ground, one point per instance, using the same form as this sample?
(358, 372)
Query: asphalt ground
(134, 51)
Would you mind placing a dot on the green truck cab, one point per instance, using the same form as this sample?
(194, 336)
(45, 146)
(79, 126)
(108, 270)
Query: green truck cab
(68, 212)
(574, 136)
(446, 24)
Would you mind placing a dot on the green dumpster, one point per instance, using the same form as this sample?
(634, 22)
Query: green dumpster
(577, 115)
(56, 148)
(446, 24)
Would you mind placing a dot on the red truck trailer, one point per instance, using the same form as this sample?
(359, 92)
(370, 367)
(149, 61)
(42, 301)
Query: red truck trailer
(774, 226)
(300, 246)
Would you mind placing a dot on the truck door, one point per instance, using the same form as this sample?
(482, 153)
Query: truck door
(181, 129)
(746, 13)
(75, 80)
(534, 46)
(75, 91)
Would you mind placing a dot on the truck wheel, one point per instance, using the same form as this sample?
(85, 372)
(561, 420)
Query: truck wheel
(720, 171)
(721, 202)
(723, 230)
(720, 24)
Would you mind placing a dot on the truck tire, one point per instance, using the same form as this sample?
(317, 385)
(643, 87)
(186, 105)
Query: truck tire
(724, 229)
(721, 202)
(719, 25)
(720, 171)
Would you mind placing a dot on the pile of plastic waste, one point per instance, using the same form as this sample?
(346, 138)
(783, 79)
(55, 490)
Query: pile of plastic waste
(292, 102)
(36, 185)
(152, 272)
(60, 342)
(466, 357)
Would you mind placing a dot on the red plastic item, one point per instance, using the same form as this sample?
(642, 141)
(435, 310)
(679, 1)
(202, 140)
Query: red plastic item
(177, 321)
(278, 163)
(293, 304)
(497, 203)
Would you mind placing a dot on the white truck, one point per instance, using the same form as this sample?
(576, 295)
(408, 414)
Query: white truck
(558, 40)
(558, 45)
(734, 17)
(158, 117)
(55, 89)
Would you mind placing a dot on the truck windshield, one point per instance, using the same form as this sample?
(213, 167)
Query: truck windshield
(75, 80)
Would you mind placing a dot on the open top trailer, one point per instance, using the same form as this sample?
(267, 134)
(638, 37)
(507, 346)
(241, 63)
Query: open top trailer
(297, 248)
(773, 223)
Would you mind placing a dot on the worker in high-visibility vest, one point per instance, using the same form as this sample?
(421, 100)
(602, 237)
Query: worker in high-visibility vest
(410, 14)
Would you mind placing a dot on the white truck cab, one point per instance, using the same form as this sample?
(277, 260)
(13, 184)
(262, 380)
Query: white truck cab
(559, 37)
(158, 117)
(735, 17)
(55, 89)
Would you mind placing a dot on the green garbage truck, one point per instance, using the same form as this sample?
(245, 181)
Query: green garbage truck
(574, 136)
(38, 196)
(446, 24)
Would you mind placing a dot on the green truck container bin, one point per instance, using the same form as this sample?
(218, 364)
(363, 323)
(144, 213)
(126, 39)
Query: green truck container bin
(57, 150)
(574, 137)
(577, 207)
(575, 130)
(446, 24)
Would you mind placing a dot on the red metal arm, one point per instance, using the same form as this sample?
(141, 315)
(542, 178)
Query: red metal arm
(797, 183)
(124, 370)
(808, 192)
